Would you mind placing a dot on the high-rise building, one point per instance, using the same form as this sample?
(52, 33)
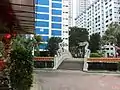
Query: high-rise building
(81, 5)
(65, 23)
(99, 15)
(51, 20)
(71, 18)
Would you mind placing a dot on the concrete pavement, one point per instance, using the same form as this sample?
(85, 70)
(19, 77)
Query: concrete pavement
(74, 80)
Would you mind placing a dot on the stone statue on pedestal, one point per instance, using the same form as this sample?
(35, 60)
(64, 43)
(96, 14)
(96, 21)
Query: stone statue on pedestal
(87, 54)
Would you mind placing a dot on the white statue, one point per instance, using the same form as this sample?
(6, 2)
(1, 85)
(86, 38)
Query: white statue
(87, 55)
(87, 51)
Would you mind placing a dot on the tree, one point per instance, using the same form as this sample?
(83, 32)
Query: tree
(52, 45)
(112, 34)
(76, 36)
(94, 42)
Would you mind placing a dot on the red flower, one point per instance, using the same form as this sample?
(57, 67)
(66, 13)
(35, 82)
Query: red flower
(7, 36)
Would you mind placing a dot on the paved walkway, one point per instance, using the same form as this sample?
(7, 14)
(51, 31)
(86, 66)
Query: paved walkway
(74, 80)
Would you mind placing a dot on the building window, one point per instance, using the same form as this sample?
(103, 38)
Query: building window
(106, 21)
(106, 25)
(42, 16)
(42, 9)
(106, 16)
(41, 31)
(107, 48)
(43, 46)
(110, 5)
(56, 32)
(45, 38)
(56, 12)
(106, 7)
(57, 26)
(56, 19)
(56, 5)
(42, 24)
(42, 2)
(106, 3)
(57, 0)
(111, 48)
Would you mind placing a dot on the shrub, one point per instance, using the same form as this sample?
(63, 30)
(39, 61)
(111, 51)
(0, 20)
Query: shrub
(95, 55)
(21, 69)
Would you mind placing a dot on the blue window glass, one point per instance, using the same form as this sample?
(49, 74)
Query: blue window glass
(57, 26)
(57, 0)
(45, 38)
(42, 16)
(41, 31)
(42, 9)
(56, 19)
(56, 12)
(43, 46)
(56, 5)
(56, 32)
(42, 24)
(42, 2)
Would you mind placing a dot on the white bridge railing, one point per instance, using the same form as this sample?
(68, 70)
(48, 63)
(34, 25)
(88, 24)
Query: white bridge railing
(62, 54)
(59, 59)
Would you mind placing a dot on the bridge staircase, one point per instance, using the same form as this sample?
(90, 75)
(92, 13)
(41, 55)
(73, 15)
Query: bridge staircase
(64, 60)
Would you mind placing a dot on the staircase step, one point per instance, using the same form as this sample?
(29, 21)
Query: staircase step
(71, 65)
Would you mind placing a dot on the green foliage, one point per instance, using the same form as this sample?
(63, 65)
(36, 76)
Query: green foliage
(53, 45)
(118, 40)
(95, 55)
(21, 68)
(38, 38)
(94, 42)
(77, 35)
(27, 43)
(21, 62)
(111, 34)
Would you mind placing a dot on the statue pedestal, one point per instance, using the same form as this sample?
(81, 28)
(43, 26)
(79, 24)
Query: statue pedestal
(85, 67)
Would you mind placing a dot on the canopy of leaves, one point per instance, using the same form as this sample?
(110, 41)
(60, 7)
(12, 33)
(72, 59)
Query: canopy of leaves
(77, 35)
(27, 43)
(111, 34)
(94, 42)
(53, 45)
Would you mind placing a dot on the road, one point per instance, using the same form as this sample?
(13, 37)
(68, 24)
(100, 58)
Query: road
(74, 80)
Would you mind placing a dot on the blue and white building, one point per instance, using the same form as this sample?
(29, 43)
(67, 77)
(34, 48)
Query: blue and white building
(49, 20)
